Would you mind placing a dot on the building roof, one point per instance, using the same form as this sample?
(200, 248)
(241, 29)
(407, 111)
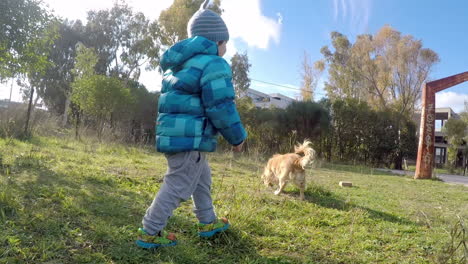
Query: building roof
(441, 110)
(267, 100)
(281, 96)
(442, 113)
(256, 92)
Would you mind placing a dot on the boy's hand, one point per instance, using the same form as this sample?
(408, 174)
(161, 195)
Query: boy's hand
(238, 148)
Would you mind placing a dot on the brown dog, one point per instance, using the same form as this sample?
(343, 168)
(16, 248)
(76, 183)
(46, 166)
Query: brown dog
(281, 169)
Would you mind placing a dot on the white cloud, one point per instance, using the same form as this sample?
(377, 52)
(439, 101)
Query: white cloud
(335, 10)
(344, 9)
(151, 9)
(239, 16)
(231, 49)
(280, 18)
(456, 101)
(359, 13)
(245, 21)
(78, 9)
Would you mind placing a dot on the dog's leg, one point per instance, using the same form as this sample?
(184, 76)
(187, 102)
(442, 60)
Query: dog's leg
(300, 181)
(282, 184)
(266, 176)
(301, 188)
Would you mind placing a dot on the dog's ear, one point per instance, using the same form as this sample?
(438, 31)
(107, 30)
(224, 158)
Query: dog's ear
(297, 150)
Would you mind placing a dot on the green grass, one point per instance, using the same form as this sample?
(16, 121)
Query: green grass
(63, 201)
(457, 171)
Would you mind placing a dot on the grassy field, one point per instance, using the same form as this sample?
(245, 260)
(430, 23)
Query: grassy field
(457, 171)
(63, 201)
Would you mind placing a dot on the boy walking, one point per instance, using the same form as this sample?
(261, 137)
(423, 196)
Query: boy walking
(196, 102)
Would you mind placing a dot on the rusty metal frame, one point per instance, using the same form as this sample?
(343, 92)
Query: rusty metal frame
(425, 160)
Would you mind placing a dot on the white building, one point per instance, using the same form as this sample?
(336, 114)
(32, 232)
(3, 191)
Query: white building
(264, 100)
(441, 143)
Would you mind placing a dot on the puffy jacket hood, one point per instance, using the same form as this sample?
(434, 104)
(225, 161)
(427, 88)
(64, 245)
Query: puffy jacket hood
(178, 54)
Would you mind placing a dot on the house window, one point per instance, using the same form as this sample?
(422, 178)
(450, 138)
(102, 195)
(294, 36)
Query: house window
(262, 99)
(440, 155)
(439, 123)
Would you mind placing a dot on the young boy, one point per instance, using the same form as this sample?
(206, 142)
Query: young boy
(196, 102)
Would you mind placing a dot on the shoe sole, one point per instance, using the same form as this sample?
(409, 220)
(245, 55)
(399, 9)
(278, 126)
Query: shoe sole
(143, 244)
(213, 232)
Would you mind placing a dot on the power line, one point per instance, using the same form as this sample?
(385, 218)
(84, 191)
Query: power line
(275, 84)
(284, 86)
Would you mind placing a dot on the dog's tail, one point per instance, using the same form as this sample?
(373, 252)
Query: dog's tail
(306, 150)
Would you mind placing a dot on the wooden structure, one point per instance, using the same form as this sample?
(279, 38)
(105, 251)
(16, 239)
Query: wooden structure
(425, 160)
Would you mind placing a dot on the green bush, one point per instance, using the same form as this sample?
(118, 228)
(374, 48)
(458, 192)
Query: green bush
(343, 130)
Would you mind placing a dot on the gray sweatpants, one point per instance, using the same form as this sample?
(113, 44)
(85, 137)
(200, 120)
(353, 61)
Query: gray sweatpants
(188, 175)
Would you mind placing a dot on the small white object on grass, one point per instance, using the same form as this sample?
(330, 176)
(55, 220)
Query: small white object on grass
(346, 184)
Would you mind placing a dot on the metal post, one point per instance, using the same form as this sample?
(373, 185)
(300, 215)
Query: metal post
(425, 160)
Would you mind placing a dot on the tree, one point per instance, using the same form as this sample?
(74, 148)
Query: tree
(84, 67)
(25, 34)
(85, 62)
(386, 69)
(304, 117)
(55, 86)
(464, 114)
(358, 133)
(124, 41)
(143, 113)
(456, 133)
(343, 82)
(22, 23)
(173, 21)
(310, 75)
(464, 117)
(99, 96)
(240, 73)
(35, 67)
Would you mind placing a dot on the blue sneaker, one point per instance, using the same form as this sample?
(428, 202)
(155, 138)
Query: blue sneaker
(163, 239)
(209, 230)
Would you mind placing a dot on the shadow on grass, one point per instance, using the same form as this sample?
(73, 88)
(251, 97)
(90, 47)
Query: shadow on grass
(325, 198)
(93, 219)
(229, 247)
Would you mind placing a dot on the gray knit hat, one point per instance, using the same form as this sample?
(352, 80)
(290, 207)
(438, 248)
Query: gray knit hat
(208, 24)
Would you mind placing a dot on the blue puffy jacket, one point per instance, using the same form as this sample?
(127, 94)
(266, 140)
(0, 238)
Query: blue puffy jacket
(197, 99)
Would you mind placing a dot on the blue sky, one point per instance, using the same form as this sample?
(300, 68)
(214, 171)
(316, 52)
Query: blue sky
(441, 25)
(275, 33)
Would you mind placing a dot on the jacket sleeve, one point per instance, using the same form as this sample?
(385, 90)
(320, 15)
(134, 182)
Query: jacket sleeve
(217, 95)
